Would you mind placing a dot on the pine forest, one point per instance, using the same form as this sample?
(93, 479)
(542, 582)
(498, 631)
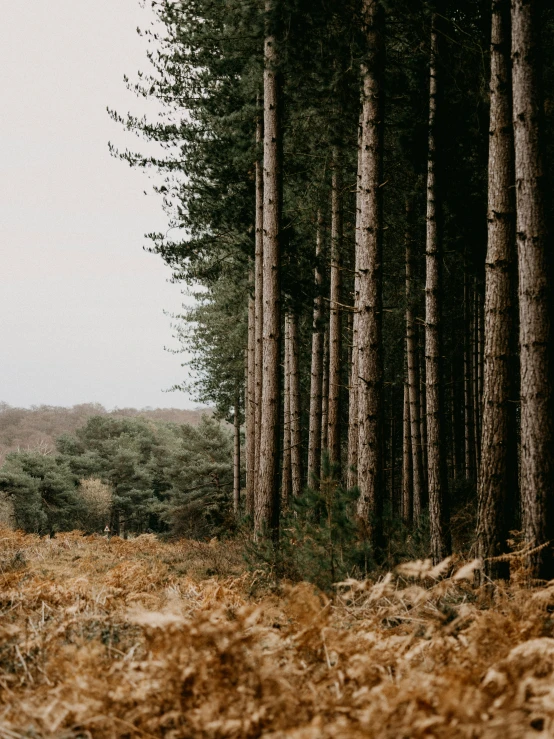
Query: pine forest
(358, 539)
(358, 197)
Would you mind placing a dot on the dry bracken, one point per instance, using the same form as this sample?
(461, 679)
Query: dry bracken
(140, 638)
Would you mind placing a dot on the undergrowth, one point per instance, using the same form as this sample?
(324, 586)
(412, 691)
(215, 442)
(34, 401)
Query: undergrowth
(141, 638)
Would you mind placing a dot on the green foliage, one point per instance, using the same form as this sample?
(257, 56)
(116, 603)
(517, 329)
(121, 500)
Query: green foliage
(201, 476)
(122, 453)
(133, 473)
(319, 539)
(44, 492)
(214, 332)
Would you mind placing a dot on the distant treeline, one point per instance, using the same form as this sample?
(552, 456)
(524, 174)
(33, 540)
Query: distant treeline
(38, 427)
(131, 475)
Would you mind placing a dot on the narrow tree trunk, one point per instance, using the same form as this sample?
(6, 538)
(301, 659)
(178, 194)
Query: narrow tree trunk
(370, 317)
(267, 503)
(469, 443)
(476, 391)
(325, 396)
(316, 379)
(353, 425)
(535, 337)
(422, 416)
(236, 455)
(295, 409)
(392, 450)
(335, 333)
(454, 420)
(413, 379)
(286, 474)
(407, 466)
(498, 475)
(258, 306)
(481, 358)
(250, 399)
(438, 502)
(395, 502)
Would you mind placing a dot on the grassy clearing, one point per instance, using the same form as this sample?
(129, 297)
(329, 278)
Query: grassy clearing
(144, 639)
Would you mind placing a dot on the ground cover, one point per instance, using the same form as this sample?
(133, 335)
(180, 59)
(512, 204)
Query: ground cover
(141, 638)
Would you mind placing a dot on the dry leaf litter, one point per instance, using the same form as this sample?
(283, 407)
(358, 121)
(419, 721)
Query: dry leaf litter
(136, 638)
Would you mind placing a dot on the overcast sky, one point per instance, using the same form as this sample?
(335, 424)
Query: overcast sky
(81, 303)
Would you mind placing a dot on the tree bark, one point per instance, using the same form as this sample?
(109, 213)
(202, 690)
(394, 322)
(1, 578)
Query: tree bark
(437, 469)
(469, 432)
(335, 333)
(258, 304)
(498, 474)
(236, 455)
(353, 425)
(480, 359)
(454, 418)
(476, 387)
(370, 317)
(422, 415)
(393, 497)
(535, 337)
(325, 397)
(407, 466)
(286, 474)
(295, 408)
(250, 402)
(267, 503)
(316, 378)
(413, 379)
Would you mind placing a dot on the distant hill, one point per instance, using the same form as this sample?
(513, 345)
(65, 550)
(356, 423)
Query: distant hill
(38, 427)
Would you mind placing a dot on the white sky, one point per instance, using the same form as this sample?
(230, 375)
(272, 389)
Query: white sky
(81, 303)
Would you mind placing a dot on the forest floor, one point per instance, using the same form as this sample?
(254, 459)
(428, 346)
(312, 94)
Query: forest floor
(139, 638)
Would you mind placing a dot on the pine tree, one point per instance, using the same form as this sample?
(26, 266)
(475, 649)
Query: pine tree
(438, 503)
(335, 328)
(412, 415)
(267, 493)
(535, 311)
(370, 244)
(498, 475)
(316, 373)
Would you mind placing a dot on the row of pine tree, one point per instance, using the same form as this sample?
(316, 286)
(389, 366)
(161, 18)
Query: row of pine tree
(360, 195)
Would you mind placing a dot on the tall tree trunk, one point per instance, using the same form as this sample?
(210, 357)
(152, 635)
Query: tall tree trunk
(454, 420)
(498, 474)
(422, 416)
(286, 474)
(335, 332)
(258, 305)
(353, 425)
(438, 501)
(316, 378)
(250, 399)
(407, 466)
(236, 455)
(476, 388)
(469, 438)
(325, 397)
(267, 503)
(295, 409)
(370, 262)
(394, 501)
(535, 337)
(413, 379)
(480, 360)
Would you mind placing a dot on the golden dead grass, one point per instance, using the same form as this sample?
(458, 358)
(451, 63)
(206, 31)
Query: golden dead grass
(137, 639)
